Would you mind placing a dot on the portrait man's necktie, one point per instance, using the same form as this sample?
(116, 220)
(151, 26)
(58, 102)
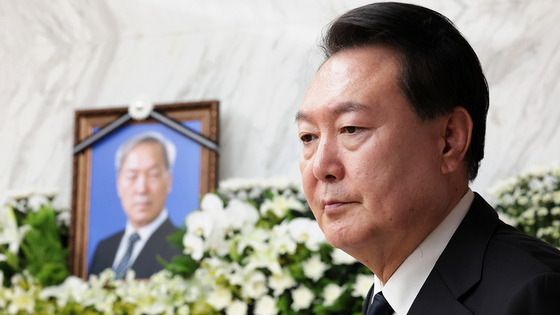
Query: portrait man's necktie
(123, 265)
(380, 306)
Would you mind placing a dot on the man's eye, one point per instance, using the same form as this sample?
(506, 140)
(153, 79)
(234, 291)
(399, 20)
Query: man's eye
(306, 138)
(130, 177)
(349, 129)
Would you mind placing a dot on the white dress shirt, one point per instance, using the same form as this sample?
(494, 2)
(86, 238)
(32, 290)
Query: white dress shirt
(405, 283)
(144, 233)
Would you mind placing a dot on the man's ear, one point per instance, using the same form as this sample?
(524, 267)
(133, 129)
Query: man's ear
(457, 137)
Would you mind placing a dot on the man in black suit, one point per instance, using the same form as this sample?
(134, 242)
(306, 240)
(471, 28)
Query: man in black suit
(393, 128)
(144, 180)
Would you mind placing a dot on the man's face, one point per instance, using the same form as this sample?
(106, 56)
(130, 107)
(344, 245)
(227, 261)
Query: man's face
(370, 167)
(143, 183)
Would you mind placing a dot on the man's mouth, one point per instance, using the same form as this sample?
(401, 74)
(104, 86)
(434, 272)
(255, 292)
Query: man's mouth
(330, 205)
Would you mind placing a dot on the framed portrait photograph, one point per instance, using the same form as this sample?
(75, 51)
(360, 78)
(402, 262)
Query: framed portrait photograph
(138, 177)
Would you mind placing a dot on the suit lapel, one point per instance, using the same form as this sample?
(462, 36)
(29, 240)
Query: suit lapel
(111, 252)
(146, 260)
(367, 301)
(459, 267)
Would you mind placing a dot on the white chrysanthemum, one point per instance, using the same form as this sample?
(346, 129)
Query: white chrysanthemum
(523, 200)
(36, 201)
(237, 308)
(542, 211)
(508, 199)
(331, 293)
(63, 218)
(220, 298)
(362, 285)
(306, 231)
(20, 194)
(280, 282)
(254, 285)
(529, 214)
(193, 246)
(266, 305)
(537, 170)
(314, 268)
(302, 298)
(556, 197)
(140, 107)
(340, 257)
(275, 183)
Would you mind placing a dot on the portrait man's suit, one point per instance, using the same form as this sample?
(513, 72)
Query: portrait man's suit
(489, 267)
(146, 263)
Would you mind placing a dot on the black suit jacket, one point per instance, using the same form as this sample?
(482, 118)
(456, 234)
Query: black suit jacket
(489, 267)
(146, 263)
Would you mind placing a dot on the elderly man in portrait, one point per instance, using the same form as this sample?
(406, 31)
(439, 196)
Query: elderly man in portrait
(393, 128)
(144, 177)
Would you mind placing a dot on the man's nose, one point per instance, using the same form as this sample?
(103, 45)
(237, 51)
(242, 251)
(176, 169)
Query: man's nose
(141, 184)
(327, 165)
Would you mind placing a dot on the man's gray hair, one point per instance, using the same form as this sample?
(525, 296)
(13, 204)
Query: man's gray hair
(169, 150)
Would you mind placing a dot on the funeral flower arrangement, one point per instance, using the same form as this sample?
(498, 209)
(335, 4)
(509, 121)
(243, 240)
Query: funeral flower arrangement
(531, 202)
(252, 248)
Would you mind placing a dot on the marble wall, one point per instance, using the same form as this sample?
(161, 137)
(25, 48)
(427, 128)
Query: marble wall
(256, 57)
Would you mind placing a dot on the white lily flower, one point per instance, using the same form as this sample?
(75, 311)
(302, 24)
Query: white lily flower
(20, 300)
(281, 241)
(280, 206)
(73, 288)
(10, 233)
(255, 238)
(265, 257)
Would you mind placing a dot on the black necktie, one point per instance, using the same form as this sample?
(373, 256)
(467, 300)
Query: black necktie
(123, 266)
(380, 306)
